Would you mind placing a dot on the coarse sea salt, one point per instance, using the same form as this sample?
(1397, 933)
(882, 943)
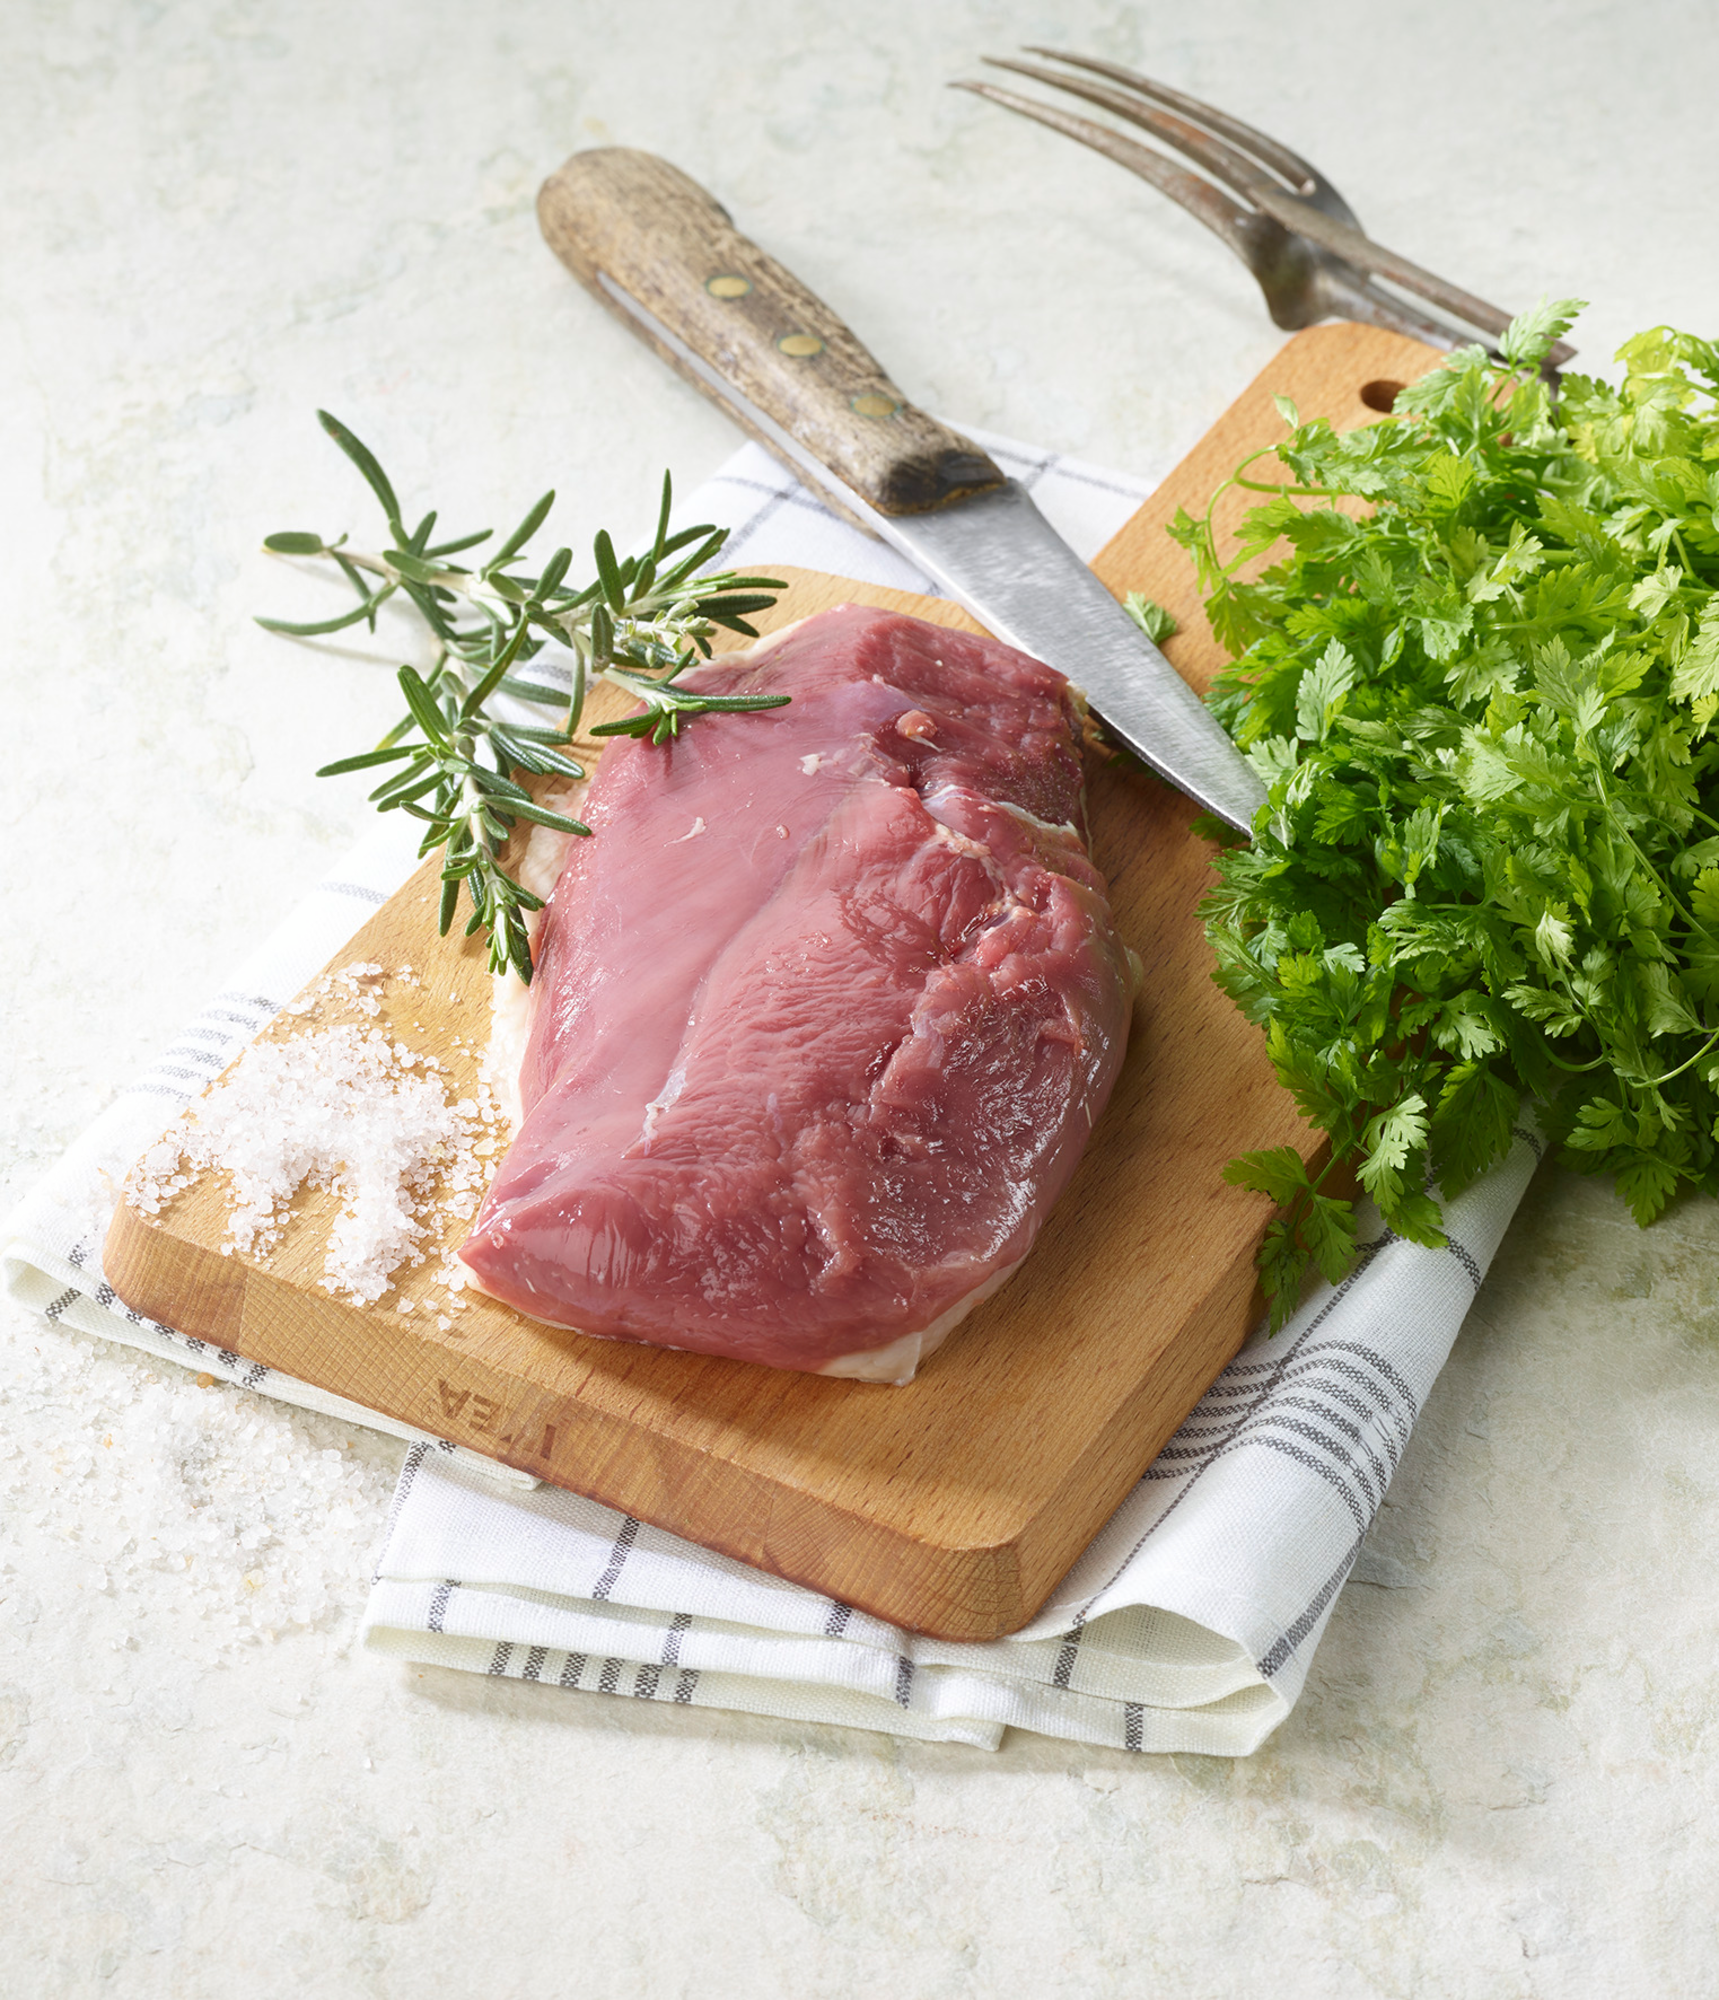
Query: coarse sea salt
(189, 1523)
(356, 986)
(345, 1108)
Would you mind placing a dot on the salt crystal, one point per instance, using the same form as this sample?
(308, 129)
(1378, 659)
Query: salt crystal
(339, 1108)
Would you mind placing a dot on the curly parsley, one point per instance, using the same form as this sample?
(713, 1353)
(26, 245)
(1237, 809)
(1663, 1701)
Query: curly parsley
(1489, 865)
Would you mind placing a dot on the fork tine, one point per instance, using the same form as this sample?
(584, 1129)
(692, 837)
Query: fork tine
(1291, 208)
(1224, 162)
(1360, 248)
(1225, 218)
(1301, 176)
(1300, 200)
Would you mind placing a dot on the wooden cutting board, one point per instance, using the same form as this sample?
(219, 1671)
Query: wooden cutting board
(952, 1506)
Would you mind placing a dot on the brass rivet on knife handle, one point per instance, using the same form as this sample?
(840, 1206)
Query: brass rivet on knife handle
(642, 225)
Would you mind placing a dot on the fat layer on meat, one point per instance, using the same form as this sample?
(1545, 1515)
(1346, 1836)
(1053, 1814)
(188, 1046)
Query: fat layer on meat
(821, 1016)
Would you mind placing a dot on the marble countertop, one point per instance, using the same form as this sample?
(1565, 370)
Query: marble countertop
(222, 214)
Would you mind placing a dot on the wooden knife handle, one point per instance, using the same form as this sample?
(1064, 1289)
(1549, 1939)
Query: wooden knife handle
(656, 236)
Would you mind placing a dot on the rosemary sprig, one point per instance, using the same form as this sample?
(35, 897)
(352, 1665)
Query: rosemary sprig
(640, 625)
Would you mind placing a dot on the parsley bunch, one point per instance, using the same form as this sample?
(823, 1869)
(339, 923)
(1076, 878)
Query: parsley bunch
(1483, 701)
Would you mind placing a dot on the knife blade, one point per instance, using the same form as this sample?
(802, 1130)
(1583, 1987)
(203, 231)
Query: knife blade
(663, 255)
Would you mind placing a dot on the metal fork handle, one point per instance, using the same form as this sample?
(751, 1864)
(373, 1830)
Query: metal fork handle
(1359, 248)
(1354, 296)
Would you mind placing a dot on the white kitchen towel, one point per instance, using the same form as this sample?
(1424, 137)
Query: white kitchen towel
(1189, 1623)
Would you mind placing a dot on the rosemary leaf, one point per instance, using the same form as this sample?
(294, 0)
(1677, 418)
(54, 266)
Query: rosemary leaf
(364, 760)
(640, 624)
(524, 532)
(415, 566)
(323, 625)
(374, 476)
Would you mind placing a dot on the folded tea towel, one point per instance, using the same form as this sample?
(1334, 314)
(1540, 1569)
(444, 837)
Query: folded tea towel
(1187, 1625)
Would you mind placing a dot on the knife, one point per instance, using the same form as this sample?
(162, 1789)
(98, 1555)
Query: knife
(665, 257)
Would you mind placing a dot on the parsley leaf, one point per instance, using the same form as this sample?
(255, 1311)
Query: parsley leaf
(1149, 615)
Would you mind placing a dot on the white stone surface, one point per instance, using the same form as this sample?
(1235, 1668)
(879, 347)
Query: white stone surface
(219, 214)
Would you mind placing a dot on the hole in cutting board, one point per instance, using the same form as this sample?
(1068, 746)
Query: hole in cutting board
(1381, 395)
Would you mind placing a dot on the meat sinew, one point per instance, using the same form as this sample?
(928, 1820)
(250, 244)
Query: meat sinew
(821, 1017)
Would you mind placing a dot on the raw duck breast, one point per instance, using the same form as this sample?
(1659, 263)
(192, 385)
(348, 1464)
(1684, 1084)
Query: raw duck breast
(821, 1017)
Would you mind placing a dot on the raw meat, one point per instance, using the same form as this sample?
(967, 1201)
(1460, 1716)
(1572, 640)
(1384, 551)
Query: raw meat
(821, 1017)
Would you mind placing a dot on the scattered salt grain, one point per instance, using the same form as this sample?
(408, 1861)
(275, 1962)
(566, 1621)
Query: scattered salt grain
(356, 987)
(277, 1529)
(344, 1108)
